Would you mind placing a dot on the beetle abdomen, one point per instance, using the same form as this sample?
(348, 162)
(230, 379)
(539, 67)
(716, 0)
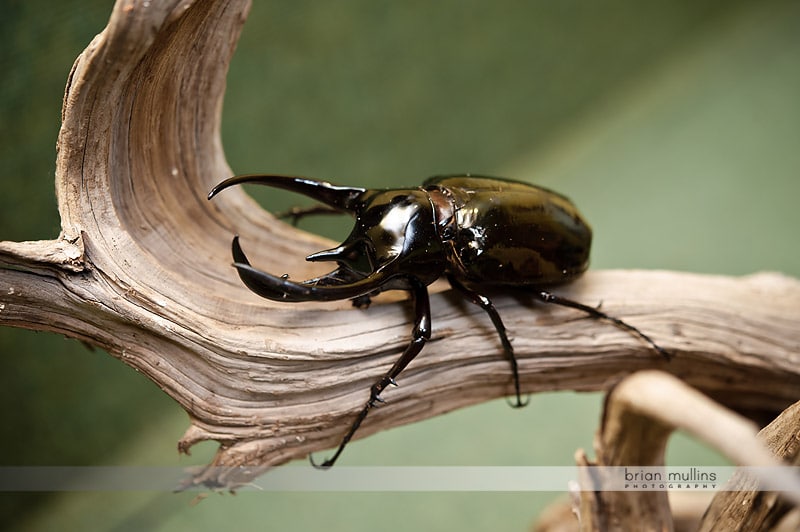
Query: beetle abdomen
(513, 233)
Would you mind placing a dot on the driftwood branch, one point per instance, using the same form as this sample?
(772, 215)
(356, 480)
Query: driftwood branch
(639, 416)
(142, 269)
(748, 507)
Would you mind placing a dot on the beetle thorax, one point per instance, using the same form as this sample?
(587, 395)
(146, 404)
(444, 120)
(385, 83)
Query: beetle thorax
(444, 211)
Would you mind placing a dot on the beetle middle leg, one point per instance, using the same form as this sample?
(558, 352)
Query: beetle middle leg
(594, 312)
(421, 334)
(508, 350)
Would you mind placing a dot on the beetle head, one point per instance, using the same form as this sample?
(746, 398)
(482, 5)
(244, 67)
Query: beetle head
(386, 231)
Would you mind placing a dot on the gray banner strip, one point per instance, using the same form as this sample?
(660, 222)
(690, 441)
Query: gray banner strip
(405, 478)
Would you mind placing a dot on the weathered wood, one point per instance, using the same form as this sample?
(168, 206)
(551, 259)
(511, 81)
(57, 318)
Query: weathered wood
(747, 508)
(639, 416)
(142, 269)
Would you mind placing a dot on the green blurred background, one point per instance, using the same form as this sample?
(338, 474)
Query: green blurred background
(674, 125)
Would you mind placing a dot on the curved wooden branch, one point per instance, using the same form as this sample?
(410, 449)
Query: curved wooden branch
(751, 509)
(142, 269)
(639, 416)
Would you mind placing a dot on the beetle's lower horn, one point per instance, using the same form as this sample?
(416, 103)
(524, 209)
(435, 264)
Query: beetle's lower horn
(278, 288)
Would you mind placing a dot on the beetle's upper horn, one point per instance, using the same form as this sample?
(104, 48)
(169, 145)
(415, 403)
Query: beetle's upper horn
(343, 198)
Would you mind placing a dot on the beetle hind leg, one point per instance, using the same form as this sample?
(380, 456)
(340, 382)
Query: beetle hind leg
(596, 313)
(508, 350)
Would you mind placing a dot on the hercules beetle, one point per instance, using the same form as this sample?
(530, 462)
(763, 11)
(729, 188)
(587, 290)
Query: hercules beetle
(479, 232)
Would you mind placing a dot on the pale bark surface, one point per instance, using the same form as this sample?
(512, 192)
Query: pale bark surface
(142, 269)
(639, 416)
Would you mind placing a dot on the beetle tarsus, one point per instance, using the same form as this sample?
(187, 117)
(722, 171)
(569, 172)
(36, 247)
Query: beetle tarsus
(596, 313)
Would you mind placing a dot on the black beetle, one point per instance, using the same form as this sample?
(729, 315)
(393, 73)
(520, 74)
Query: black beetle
(479, 232)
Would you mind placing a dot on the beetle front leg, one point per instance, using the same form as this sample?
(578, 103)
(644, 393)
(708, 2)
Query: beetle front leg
(508, 350)
(596, 313)
(421, 334)
(297, 213)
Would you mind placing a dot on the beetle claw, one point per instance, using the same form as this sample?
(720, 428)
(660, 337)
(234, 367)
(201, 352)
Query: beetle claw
(519, 403)
(327, 464)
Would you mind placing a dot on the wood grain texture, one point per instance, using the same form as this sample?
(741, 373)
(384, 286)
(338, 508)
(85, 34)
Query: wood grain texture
(748, 507)
(142, 269)
(639, 416)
